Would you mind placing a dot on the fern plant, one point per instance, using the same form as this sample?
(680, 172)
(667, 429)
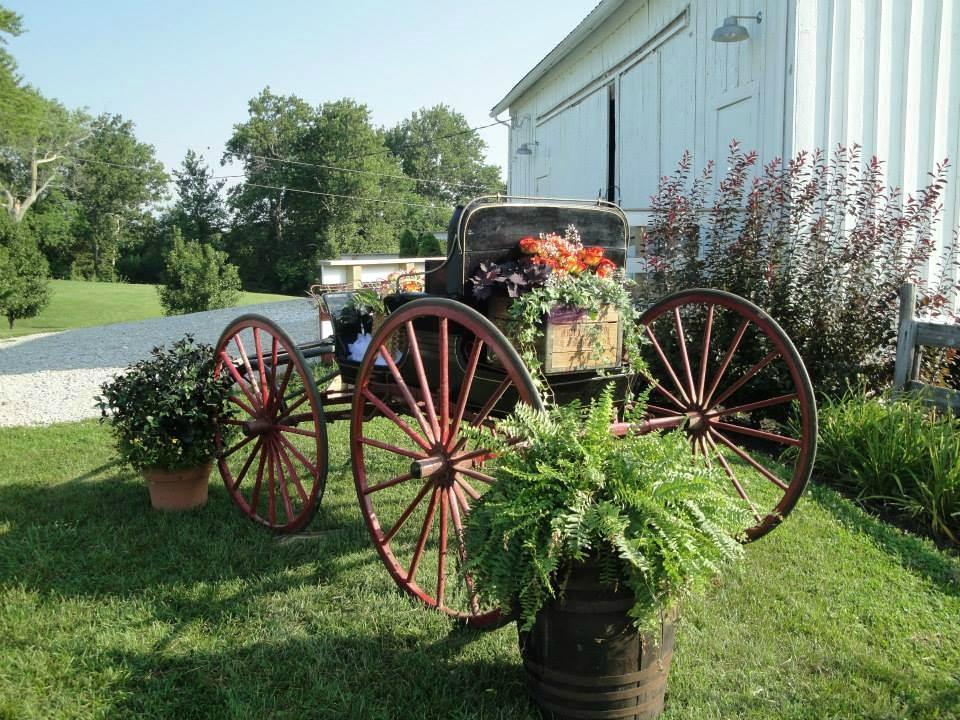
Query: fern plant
(653, 516)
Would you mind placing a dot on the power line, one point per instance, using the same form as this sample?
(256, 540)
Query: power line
(347, 197)
(429, 141)
(289, 161)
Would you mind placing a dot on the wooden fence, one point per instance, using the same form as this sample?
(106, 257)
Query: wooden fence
(913, 334)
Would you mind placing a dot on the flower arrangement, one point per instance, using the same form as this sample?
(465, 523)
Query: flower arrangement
(554, 274)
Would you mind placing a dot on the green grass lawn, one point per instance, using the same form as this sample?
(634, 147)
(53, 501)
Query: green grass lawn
(109, 609)
(76, 303)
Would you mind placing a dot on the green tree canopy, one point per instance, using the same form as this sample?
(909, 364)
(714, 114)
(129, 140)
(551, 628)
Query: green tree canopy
(319, 182)
(115, 180)
(438, 146)
(24, 274)
(200, 211)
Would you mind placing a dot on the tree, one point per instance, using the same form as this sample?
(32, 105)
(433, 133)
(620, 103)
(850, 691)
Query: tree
(199, 212)
(319, 182)
(198, 277)
(437, 146)
(429, 246)
(24, 275)
(115, 179)
(409, 243)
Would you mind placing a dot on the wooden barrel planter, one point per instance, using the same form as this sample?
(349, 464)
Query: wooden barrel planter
(585, 659)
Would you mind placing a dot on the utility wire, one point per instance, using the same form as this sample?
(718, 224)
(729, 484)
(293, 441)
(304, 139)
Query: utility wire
(428, 141)
(347, 197)
(288, 161)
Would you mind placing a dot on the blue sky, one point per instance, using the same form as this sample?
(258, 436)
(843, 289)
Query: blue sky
(184, 71)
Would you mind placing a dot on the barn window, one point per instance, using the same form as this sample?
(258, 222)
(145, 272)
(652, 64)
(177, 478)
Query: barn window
(611, 143)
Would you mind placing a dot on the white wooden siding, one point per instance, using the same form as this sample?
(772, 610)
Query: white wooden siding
(884, 74)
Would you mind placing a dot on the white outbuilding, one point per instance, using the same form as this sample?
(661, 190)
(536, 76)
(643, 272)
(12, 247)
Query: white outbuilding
(613, 106)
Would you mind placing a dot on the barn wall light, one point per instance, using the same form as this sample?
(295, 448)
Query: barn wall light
(732, 31)
(527, 148)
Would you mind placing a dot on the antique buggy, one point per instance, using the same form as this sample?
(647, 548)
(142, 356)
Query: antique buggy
(437, 367)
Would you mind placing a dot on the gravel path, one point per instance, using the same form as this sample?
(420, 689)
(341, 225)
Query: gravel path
(53, 377)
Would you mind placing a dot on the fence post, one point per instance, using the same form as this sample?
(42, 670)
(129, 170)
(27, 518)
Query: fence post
(906, 336)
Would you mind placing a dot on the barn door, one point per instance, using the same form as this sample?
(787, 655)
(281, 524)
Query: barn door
(571, 158)
(733, 79)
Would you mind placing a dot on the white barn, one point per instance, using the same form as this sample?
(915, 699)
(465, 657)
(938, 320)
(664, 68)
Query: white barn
(612, 107)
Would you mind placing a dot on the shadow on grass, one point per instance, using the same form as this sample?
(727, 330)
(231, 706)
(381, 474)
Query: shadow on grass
(917, 555)
(96, 535)
(393, 675)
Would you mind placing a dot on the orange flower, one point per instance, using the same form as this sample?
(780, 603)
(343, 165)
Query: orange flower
(591, 256)
(572, 265)
(605, 267)
(529, 245)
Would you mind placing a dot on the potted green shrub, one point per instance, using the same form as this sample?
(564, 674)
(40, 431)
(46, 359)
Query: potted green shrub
(162, 413)
(594, 541)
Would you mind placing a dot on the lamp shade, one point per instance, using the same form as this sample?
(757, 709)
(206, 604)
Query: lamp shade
(730, 31)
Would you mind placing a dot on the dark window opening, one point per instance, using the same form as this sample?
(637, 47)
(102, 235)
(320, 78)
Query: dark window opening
(611, 144)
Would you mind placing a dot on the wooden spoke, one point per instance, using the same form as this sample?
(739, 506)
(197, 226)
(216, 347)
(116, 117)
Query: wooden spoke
(663, 391)
(248, 463)
(238, 379)
(661, 410)
(746, 376)
(491, 402)
(764, 434)
(444, 382)
(292, 473)
(468, 487)
(231, 451)
(461, 498)
(414, 352)
(779, 400)
(311, 468)
(242, 405)
(249, 368)
(278, 394)
(726, 362)
(668, 367)
(406, 513)
(387, 483)
(282, 482)
(481, 455)
(271, 491)
(705, 357)
(296, 431)
(395, 419)
(274, 350)
(465, 388)
(476, 475)
(746, 458)
(264, 395)
(424, 534)
(255, 495)
(461, 546)
(683, 353)
(733, 478)
(289, 411)
(391, 448)
(407, 395)
(442, 551)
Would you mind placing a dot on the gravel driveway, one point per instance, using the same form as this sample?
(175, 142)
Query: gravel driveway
(54, 377)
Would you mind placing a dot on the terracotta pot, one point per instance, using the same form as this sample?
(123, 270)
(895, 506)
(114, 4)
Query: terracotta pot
(585, 659)
(178, 489)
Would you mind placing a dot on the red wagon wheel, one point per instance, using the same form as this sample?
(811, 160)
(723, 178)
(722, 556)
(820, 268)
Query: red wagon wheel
(723, 367)
(417, 462)
(272, 451)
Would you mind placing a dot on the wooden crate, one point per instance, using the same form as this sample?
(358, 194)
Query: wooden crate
(571, 342)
